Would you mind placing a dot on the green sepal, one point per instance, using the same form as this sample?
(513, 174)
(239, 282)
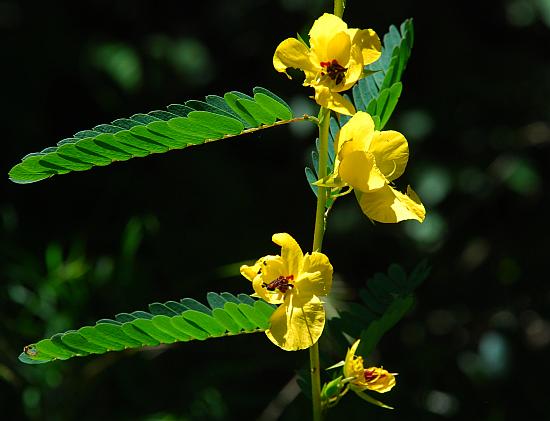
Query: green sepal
(332, 389)
(339, 364)
(373, 401)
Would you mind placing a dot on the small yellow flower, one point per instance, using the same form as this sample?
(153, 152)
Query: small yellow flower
(368, 161)
(372, 378)
(296, 281)
(334, 62)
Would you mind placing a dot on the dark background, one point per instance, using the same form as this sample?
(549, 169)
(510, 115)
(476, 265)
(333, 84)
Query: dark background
(80, 247)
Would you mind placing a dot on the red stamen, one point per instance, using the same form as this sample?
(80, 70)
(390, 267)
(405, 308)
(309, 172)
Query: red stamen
(334, 70)
(282, 283)
(369, 375)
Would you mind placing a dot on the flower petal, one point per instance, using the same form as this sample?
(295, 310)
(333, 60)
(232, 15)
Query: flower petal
(368, 43)
(297, 327)
(383, 382)
(290, 252)
(389, 205)
(391, 151)
(353, 367)
(316, 276)
(353, 74)
(292, 53)
(358, 169)
(323, 30)
(336, 102)
(359, 129)
(250, 272)
(338, 48)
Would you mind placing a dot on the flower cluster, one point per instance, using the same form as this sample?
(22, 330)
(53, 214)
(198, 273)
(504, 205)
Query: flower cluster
(367, 160)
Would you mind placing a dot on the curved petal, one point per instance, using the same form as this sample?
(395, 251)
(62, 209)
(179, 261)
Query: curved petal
(358, 169)
(353, 366)
(353, 74)
(290, 252)
(391, 151)
(297, 327)
(250, 272)
(389, 205)
(359, 129)
(368, 43)
(336, 102)
(316, 276)
(322, 31)
(292, 53)
(382, 382)
(338, 48)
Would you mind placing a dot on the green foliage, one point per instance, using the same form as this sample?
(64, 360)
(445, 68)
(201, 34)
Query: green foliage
(385, 300)
(395, 312)
(173, 321)
(177, 127)
(378, 94)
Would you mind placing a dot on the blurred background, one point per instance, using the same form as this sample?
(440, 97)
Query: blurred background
(85, 246)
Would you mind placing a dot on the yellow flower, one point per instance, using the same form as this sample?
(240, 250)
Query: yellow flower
(372, 378)
(368, 161)
(333, 63)
(296, 281)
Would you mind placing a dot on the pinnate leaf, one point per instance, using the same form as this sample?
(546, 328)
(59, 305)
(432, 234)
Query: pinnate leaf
(177, 127)
(166, 323)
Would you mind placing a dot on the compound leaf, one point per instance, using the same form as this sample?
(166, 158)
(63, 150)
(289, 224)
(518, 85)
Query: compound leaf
(163, 324)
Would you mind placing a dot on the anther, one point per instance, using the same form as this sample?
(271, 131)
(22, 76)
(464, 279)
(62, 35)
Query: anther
(282, 283)
(334, 70)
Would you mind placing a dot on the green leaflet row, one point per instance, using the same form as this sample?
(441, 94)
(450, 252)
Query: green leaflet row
(177, 127)
(173, 321)
(384, 301)
(378, 94)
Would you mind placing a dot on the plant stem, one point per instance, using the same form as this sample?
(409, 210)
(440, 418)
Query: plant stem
(339, 6)
(315, 382)
(319, 232)
(324, 122)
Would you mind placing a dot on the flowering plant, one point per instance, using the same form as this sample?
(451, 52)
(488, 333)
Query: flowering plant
(356, 84)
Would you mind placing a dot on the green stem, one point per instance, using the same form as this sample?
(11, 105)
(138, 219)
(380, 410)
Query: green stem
(324, 124)
(319, 232)
(315, 382)
(339, 6)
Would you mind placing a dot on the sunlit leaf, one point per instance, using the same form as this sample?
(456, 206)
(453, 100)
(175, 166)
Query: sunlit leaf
(177, 127)
(379, 92)
(166, 323)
